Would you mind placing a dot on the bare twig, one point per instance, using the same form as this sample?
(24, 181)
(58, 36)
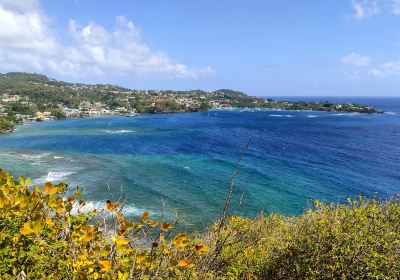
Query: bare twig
(220, 243)
(232, 184)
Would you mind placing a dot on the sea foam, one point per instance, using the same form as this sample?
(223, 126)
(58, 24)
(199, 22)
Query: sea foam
(281, 116)
(35, 156)
(58, 175)
(128, 209)
(119, 131)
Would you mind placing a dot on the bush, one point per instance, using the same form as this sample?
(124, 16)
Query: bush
(58, 113)
(5, 125)
(46, 234)
(360, 240)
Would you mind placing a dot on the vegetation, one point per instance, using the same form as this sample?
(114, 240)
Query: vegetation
(58, 114)
(5, 125)
(46, 234)
(24, 95)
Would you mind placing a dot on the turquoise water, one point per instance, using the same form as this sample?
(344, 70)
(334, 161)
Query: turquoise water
(184, 161)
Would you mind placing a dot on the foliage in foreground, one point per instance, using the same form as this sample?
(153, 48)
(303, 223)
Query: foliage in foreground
(45, 234)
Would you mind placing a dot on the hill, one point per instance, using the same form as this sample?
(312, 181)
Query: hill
(29, 97)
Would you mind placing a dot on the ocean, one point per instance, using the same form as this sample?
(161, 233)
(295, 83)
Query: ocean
(181, 164)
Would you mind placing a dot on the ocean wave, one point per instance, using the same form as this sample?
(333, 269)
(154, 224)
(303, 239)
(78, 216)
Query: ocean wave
(390, 113)
(57, 157)
(346, 114)
(35, 156)
(312, 116)
(281, 116)
(128, 209)
(53, 176)
(58, 175)
(119, 131)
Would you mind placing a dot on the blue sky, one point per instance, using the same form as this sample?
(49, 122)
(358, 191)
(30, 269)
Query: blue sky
(269, 48)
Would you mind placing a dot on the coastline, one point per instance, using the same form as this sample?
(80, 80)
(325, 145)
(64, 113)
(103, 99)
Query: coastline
(11, 130)
(54, 119)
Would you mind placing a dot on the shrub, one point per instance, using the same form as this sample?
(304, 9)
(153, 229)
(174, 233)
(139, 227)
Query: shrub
(5, 125)
(360, 240)
(45, 234)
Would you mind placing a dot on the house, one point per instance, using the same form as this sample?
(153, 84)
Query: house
(71, 112)
(40, 116)
(10, 98)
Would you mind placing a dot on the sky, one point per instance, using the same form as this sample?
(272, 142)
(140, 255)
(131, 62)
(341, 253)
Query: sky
(261, 47)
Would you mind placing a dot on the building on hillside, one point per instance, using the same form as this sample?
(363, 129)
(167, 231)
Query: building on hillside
(10, 98)
(72, 112)
(40, 116)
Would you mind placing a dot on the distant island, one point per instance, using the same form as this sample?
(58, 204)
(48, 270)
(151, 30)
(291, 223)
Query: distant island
(33, 97)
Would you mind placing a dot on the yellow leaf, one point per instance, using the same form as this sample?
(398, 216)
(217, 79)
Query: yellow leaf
(181, 240)
(47, 187)
(60, 210)
(105, 251)
(5, 201)
(145, 216)
(37, 226)
(141, 258)
(105, 265)
(162, 239)
(122, 276)
(111, 206)
(118, 215)
(49, 221)
(82, 257)
(201, 249)
(88, 237)
(166, 226)
(129, 225)
(154, 224)
(64, 223)
(26, 229)
(120, 241)
(21, 181)
(184, 262)
(137, 226)
(18, 200)
(61, 187)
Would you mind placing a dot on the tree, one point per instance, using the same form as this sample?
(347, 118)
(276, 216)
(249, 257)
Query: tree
(57, 113)
(5, 125)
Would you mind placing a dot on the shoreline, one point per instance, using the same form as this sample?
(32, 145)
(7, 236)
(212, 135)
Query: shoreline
(11, 130)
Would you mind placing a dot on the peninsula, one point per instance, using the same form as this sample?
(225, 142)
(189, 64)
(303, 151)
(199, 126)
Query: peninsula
(28, 97)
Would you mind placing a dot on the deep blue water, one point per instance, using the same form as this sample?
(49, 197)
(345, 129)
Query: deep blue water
(186, 160)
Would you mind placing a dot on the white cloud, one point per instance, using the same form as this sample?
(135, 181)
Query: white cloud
(391, 68)
(355, 59)
(23, 28)
(363, 9)
(395, 7)
(28, 43)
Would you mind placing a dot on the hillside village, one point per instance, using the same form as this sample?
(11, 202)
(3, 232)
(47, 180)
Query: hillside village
(28, 97)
